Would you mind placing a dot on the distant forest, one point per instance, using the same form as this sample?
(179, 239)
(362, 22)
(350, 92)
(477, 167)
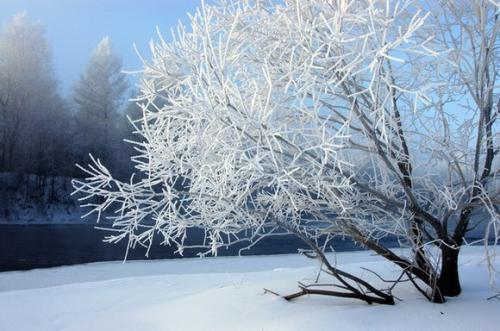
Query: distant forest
(45, 134)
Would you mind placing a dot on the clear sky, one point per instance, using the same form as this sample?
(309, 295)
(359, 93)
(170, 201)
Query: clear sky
(74, 27)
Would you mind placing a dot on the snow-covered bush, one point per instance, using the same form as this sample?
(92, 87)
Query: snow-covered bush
(319, 118)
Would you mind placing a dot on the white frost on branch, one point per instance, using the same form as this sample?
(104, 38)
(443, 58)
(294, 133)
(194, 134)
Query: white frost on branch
(316, 116)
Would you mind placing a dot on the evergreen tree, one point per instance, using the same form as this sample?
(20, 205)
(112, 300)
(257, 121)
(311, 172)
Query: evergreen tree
(129, 119)
(98, 96)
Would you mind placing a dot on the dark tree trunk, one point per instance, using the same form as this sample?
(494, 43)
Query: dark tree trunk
(449, 283)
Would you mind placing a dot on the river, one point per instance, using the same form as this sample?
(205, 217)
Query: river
(25, 247)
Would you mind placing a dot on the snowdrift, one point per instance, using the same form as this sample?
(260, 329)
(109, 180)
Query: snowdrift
(227, 293)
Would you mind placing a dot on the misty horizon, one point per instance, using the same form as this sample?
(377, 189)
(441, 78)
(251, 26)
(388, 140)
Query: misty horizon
(73, 29)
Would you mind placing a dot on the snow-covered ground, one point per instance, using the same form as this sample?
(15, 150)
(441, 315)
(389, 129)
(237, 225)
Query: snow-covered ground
(227, 293)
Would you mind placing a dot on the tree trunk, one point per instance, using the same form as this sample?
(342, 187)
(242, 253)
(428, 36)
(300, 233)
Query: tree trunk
(449, 283)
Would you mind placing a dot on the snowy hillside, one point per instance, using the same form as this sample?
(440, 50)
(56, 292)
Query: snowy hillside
(31, 199)
(227, 294)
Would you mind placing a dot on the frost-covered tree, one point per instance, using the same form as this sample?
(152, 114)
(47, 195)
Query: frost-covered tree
(466, 140)
(98, 96)
(321, 119)
(32, 115)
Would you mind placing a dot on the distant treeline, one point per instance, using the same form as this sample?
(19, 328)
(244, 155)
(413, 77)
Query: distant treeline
(44, 134)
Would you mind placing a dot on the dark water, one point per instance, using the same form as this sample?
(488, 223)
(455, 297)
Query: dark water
(25, 247)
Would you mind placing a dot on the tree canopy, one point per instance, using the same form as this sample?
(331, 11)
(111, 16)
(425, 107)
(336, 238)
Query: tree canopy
(321, 119)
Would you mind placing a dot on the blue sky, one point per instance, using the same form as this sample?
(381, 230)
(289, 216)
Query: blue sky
(74, 27)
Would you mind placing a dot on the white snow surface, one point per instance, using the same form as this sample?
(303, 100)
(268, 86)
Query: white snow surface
(226, 293)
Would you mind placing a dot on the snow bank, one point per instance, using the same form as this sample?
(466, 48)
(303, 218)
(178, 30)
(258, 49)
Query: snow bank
(30, 199)
(227, 294)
